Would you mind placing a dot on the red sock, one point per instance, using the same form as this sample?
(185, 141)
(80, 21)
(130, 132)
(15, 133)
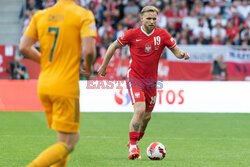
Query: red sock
(141, 134)
(134, 137)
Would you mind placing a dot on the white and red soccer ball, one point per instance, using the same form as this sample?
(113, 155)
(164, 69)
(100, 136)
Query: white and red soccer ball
(156, 151)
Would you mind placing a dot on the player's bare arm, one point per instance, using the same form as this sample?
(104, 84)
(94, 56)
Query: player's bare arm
(89, 54)
(28, 50)
(110, 52)
(179, 53)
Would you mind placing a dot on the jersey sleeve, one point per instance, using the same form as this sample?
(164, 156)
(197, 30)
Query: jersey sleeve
(88, 26)
(169, 40)
(31, 31)
(125, 38)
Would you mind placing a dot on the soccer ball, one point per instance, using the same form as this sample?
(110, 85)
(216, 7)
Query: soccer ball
(156, 151)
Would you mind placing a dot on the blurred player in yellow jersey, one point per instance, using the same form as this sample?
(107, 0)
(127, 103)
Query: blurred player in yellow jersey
(62, 31)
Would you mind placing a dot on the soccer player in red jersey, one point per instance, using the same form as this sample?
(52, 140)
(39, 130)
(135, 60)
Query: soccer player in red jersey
(146, 46)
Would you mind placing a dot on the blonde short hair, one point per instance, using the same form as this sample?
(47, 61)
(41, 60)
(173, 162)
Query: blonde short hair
(149, 9)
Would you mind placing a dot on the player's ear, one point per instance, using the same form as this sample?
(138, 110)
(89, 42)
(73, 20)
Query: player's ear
(141, 17)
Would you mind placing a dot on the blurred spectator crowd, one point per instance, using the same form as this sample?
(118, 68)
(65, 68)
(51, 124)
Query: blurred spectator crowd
(190, 22)
(214, 22)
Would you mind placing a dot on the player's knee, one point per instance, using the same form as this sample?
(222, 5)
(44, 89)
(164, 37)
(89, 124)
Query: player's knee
(140, 112)
(139, 109)
(148, 117)
(71, 145)
(70, 141)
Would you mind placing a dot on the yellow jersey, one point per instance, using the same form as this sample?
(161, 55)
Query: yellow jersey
(59, 30)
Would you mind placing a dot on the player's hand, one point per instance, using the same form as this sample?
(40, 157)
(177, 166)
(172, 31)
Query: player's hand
(185, 55)
(102, 71)
(85, 72)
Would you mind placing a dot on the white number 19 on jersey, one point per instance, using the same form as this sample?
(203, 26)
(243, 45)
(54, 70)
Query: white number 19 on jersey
(157, 40)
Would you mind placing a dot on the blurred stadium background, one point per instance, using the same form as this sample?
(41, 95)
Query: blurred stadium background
(212, 31)
(216, 34)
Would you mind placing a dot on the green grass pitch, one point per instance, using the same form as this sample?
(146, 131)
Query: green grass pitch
(191, 139)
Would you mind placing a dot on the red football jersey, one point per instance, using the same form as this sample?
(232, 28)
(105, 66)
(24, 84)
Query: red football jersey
(145, 50)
